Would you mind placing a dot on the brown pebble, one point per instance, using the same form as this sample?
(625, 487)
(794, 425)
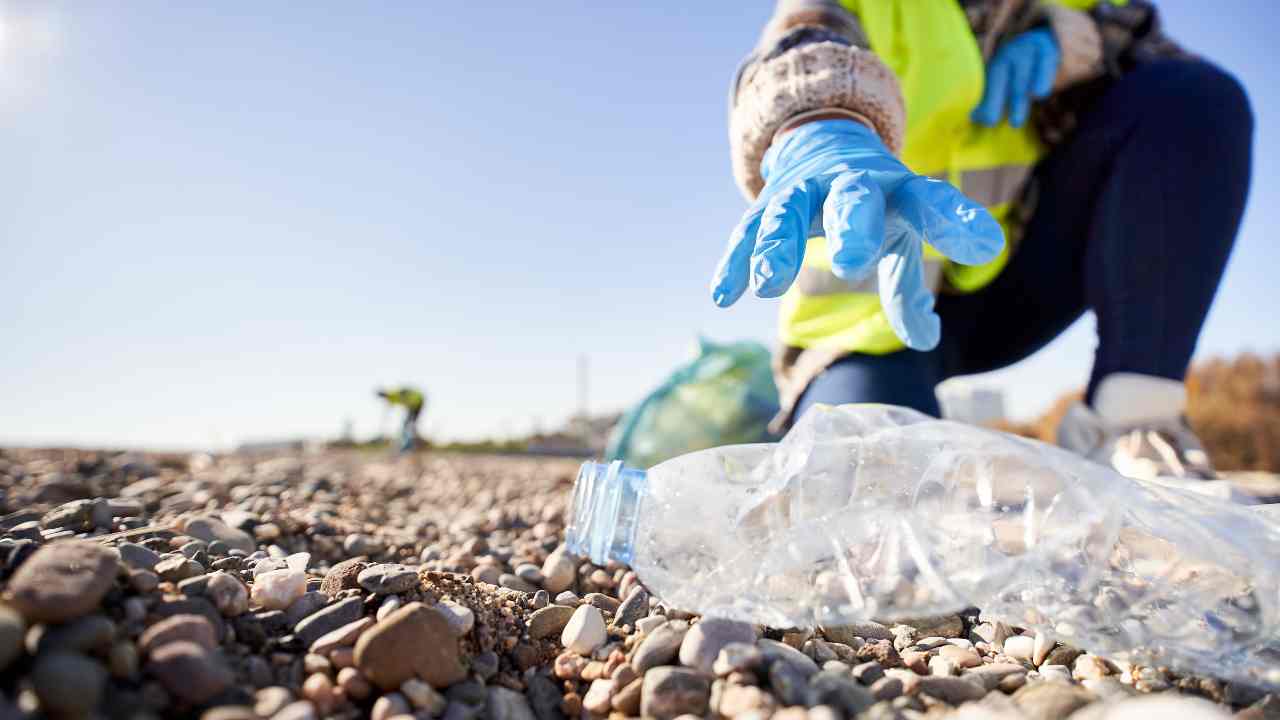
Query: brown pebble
(353, 683)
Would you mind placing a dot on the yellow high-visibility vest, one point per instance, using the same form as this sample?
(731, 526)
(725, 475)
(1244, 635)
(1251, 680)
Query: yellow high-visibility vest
(932, 50)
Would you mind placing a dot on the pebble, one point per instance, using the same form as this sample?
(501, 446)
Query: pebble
(189, 671)
(886, 688)
(953, 690)
(1051, 699)
(960, 657)
(353, 684)
(390, 604)
(505, 704)
(300, 710)
(705, 639)
(585, 630)
(423, 697)
(12, 628)
(414, 640)
(328, 619)
(1055, 672)
(559, 571)
(278, 589)
(390, 706)
(228, 594)
(775, 651)
(1020, 647)
(660, 646)
(515, 582)
(461, 618)
(1090, 667)
(68, 684)
(179, 628)
(270, 700)
(138, 557)
(388, 578)
(633, 609)
(839, 691)
(946, 626)
(62, 581)
(738, 657)
(346, 635)
(569, 598)
(343, 576)
(89, 634)
(211, 529)
(318, 688)
(549, 621)
(304, 606)
(669, 692)
(1044, 643)
(856, 633)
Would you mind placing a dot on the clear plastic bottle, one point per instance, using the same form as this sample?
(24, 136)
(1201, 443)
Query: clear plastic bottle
(870, 511)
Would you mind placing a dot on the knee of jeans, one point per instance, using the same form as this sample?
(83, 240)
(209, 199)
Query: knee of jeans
(1195, 96)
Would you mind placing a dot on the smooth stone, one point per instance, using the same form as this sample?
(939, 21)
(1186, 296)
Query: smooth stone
(328, 619)
(788, 683)
(68, 684)
(1020, 647)
(738, 657)
(304, 606)
(1056, 672)
(62, 581)
(947, 626)
(559, 571)
(1165, 705)
(840, 691)
(868, 673)
(952, 690)
(775, 651)
(388, 578)
(270, 700)
(849, 634)
(1043, 644)
(423, 697)
(190, 672)
(227, 593)
(138, 556)
(297, 710)
(414, 640)
(633, 609)
(529, 573)
(703, 642)
(886, 688)
(669, 692)
(1051, 699)
(460, 617)
(346, 635)
(991, 675)
(211, 529)
(960, 657)
(549, 621)
(91, 633)
(585, 630)
(179, 628)
(660, 646)
(515, 582)
(505, 704)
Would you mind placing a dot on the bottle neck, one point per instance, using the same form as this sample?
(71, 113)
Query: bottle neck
(605, 510)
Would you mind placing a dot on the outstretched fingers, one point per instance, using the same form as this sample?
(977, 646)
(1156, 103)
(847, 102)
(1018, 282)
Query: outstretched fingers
(947, 219)
(904, 294)
(732, 274)
(784, 228)
(994, 92)
(853, 221)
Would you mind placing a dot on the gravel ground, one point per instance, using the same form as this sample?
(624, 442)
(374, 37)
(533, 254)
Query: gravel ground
(139, 585)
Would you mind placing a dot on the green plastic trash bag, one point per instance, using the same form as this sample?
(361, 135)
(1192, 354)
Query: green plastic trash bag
(724, 396)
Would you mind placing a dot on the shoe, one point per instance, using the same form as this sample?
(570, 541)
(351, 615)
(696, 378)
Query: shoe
(1137, 427)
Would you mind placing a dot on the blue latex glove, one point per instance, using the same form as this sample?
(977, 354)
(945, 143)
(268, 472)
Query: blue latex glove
(875, 213)
(1022, 69)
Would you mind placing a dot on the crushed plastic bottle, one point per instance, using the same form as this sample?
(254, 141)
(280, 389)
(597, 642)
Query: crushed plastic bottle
(872, 511)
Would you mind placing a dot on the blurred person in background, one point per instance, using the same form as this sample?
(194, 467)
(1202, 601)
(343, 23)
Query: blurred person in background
(1020, 161)
(412, 400)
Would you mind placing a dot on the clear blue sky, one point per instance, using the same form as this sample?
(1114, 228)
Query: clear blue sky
(231, 222)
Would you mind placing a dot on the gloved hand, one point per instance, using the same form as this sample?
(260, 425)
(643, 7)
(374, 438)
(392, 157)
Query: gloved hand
(1022, 69)
(875, 214)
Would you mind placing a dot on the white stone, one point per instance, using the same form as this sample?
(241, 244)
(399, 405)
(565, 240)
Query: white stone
(1044, 643)
(585, 631)
(1020, 647)
(460, 617)
(277, 589)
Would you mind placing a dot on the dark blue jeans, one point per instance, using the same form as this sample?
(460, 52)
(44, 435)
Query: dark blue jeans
(1135, 217)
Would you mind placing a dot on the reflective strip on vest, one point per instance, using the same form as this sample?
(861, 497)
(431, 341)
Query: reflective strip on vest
(996, 185)
(816, 281)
